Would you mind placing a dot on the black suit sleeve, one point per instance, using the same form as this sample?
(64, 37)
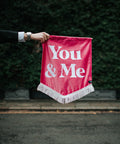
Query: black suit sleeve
(8, 36)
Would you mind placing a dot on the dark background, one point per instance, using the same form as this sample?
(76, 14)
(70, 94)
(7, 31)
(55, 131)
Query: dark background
(99, 19)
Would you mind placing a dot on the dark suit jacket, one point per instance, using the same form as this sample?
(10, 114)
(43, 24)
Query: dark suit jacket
(8, 36)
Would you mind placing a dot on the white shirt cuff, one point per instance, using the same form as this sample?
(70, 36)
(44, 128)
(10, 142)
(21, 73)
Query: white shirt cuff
(21, 37)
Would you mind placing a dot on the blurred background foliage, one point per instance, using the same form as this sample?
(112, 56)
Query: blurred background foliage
(99, 19)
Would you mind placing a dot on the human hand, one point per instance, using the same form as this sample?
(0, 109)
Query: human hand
(41, 36)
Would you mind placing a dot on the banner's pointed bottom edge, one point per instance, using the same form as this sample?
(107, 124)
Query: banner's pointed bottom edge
(67, 98)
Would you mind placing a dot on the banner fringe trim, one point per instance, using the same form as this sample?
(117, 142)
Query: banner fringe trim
(67, 98)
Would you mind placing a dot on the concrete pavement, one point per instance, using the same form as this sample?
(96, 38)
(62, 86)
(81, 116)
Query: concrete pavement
(60, 128)
(46, 121)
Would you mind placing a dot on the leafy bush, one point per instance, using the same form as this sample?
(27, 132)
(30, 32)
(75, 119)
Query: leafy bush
(20, 66)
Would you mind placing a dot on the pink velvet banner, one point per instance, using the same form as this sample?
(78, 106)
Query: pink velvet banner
(66, 73)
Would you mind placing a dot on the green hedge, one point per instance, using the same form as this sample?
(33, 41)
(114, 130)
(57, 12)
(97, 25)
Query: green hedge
(20, 66)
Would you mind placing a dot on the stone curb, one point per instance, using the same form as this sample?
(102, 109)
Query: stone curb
(54, 106)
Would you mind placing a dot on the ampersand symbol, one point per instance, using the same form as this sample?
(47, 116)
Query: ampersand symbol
(51, 71)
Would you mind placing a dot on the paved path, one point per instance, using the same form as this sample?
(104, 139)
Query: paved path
(60, 128)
